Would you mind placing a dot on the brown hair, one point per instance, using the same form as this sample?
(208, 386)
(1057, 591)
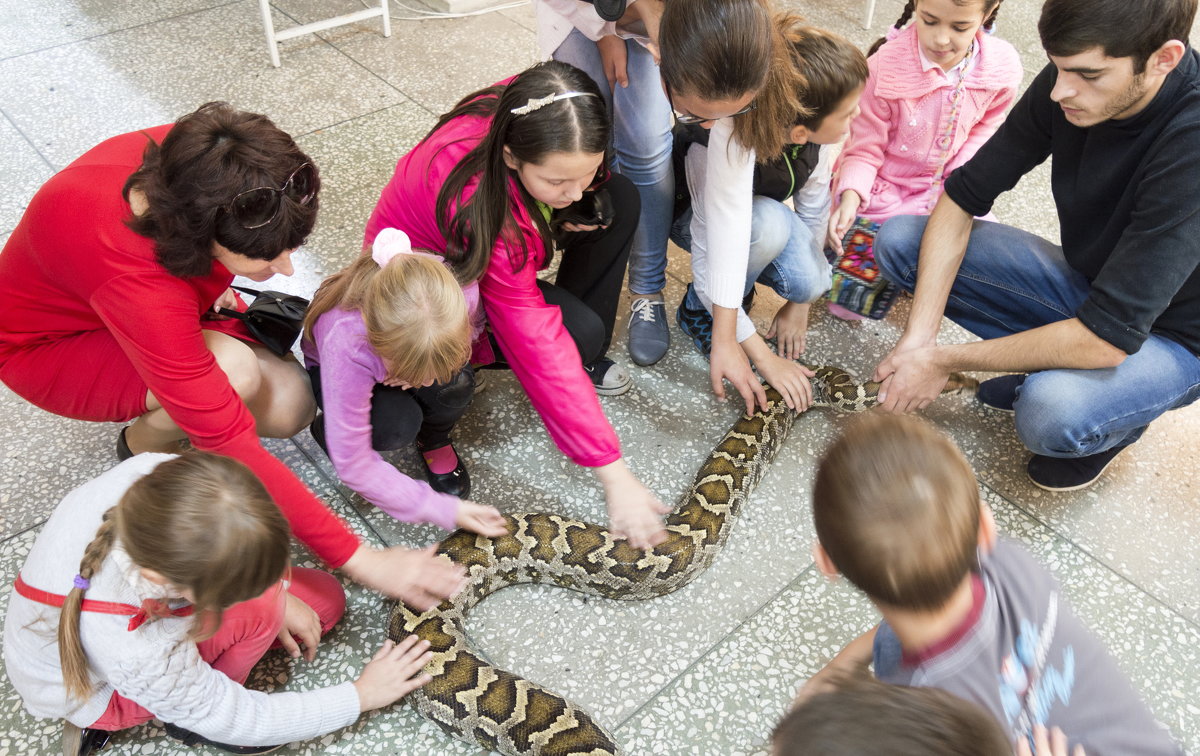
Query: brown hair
(1122, 29)
(833, 67)
(779, 103)
(202, 521)
(991, 9)
(915, 721)
(896, 507)
(724, 50)
(205, 160)
(414, 310)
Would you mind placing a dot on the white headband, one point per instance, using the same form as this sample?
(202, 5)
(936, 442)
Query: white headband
(538, 104)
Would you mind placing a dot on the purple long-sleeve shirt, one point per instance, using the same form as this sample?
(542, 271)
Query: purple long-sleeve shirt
(350, 368)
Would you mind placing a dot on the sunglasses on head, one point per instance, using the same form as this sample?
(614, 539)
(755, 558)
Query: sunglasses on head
(687, 119)
(255, 208)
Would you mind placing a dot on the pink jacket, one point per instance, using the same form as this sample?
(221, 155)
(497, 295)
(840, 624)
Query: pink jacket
(906, 140)
(530, 332)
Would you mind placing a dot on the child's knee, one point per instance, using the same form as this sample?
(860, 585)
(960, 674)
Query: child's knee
(770, 229)
(897, 247)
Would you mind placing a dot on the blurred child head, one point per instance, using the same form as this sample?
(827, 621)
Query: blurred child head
(835, 72)
(202, 524)
(897, 511)
(860, 716)
(414, 310)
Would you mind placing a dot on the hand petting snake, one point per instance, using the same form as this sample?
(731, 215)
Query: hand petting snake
(481, 704)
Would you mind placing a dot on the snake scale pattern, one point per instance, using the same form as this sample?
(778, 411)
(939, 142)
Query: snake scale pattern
(472, 700)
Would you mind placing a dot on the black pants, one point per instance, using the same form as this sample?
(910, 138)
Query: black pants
(425, 415)
(588, 286)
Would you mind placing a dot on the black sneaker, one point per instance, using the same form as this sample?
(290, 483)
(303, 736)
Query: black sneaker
(609, 378)
(123, 450)
(83, 741)
(697, 324)
(1000, 393)
(189, 738)
(1070, 473)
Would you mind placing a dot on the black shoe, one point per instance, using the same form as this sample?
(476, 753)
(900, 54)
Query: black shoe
(1000, 393)
(123, 450)
(83, 741)
(1071, 473)
(609, 378)
(697, 324)
(455, 483)
(189, 738)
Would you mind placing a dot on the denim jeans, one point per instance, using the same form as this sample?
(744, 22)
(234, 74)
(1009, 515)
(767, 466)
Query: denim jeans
(1011, 281)
(786, 251)
(642, 143)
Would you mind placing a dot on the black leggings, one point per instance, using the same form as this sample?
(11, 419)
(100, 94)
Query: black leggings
(588, 286)
(400, 416)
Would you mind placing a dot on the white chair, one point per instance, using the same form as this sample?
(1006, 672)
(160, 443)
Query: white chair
(274, 37)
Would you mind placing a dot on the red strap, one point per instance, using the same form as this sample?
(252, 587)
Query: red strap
(137, 616)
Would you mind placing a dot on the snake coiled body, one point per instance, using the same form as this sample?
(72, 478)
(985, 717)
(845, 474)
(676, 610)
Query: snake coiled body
(477, 702)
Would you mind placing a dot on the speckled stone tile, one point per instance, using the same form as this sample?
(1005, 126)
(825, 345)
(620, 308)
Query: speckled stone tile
(64, 97)
(434, 62)
(25, 27)
(729, 701)
(24, 171)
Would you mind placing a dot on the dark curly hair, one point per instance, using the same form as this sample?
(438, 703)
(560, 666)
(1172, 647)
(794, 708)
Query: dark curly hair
(206, 159)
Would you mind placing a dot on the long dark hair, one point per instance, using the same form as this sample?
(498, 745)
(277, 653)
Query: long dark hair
(207, 158)
(573, 125)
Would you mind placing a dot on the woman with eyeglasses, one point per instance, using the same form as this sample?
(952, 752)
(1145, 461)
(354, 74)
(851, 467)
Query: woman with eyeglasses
(111, 288)
(495, 188)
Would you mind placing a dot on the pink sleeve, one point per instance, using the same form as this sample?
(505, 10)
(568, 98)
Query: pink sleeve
(863, 154)
(543, 356)
(992, 118)
(347, 381)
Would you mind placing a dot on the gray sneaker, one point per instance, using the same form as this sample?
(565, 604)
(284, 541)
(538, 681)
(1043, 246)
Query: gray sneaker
(649, 335)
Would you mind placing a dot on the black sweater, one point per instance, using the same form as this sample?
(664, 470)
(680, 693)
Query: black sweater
(1128, 203)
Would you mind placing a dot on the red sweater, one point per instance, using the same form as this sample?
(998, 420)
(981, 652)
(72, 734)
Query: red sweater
(72, 267)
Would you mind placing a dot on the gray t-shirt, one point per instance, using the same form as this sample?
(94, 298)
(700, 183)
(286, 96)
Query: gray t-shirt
(1029, 660)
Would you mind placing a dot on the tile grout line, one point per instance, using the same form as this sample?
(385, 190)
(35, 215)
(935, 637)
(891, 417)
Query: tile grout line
(337, 488)
(692, 665)
(29, 141)
(1071, 542)
(116, 31)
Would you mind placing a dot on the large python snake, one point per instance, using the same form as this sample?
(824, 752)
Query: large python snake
(481, 704)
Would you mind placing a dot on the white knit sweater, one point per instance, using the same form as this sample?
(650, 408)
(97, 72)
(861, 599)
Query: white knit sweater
(156, 666)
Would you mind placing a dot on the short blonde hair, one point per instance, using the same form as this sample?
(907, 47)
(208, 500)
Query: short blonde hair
(897, 509)
(414, 310)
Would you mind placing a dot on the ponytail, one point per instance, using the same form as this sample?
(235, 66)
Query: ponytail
(70, 647)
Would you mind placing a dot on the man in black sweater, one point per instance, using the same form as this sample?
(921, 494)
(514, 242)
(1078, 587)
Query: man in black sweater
(1102, 334)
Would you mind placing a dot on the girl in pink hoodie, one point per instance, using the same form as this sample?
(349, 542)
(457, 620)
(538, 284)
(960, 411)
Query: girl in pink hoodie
(937, 91)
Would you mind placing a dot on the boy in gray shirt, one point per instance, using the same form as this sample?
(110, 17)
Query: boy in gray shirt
(898, 512)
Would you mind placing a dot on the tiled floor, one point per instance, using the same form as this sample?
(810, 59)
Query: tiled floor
(705, 671)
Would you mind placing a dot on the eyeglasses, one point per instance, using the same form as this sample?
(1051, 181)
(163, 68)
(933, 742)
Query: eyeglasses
(687, 119)
(255, 208)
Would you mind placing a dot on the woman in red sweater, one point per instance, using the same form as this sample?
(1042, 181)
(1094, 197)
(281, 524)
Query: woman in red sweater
(110, 292)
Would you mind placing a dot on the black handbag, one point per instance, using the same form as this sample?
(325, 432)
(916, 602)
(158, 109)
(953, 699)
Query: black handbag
(274, 318)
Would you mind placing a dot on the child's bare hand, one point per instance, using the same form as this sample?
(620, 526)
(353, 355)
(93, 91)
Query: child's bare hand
(393, 673)
(840, 219)
(789, 378)
(1052, 743)
(481, 519)
(790, 330)
(301, 629)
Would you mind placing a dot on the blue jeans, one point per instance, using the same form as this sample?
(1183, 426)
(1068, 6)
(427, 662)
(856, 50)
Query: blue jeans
(1011, 281)
(642, 143)
(785, 251)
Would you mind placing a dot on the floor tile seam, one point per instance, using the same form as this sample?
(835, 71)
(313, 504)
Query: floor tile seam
(122, 29)
(344, 121)
(1162, 602)
(24, 530)
(336, 484)
(715, 644)
(30, 142)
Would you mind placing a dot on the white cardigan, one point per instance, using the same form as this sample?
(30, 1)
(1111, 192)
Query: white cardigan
(155, 666)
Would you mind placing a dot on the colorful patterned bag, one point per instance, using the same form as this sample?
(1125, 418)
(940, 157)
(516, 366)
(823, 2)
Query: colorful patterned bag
(857, 283)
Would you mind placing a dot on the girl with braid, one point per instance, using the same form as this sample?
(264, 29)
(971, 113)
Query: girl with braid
(937, 90)
(165, 580)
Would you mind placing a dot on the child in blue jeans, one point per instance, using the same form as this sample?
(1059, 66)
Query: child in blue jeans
(786, 244)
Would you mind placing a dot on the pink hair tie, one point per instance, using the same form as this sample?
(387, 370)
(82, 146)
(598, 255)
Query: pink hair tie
(892, 33)
(391, 242)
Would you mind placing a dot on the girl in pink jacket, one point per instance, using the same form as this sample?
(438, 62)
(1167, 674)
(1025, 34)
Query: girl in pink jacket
(937, 91)
(483, 189)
